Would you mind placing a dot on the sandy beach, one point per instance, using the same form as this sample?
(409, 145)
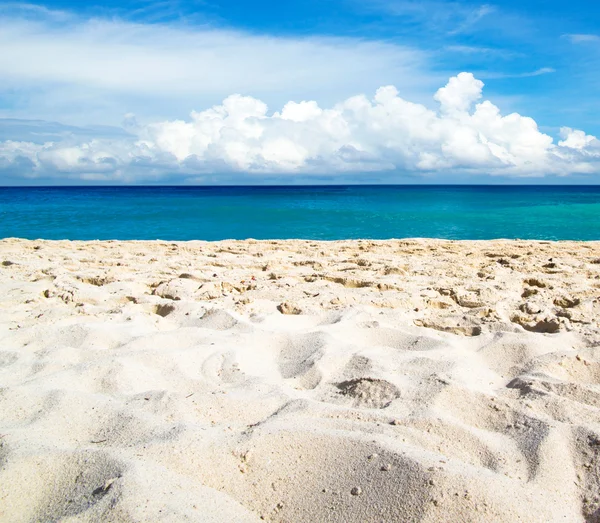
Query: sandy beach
(299, 381)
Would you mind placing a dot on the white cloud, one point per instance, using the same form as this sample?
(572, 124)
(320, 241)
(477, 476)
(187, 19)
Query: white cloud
(473, 17)
(483, 51)
(443, 17)
(583, 38)
(459, 94)
(85, 71)
(528, 74)
(357, 135)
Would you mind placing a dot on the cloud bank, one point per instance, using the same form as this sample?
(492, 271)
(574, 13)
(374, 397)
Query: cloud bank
(58, 65)
(357, 135)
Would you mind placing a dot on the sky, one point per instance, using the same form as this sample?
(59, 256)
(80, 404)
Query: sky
(335, 91)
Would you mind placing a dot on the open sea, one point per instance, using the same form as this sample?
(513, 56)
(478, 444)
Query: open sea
(310, 212)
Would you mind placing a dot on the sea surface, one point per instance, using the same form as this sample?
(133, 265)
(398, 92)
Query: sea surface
(310, 212)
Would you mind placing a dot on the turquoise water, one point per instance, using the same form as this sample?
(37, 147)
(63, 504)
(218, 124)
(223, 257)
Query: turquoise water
(316, 212)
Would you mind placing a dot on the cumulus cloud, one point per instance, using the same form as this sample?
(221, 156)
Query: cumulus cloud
(356, 135)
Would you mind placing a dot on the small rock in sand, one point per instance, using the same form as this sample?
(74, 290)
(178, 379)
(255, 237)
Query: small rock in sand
(288, 308)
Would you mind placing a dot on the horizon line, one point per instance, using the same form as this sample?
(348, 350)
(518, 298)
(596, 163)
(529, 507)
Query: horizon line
(207, 186)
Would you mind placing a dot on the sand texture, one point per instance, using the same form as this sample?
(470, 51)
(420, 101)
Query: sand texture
(299, 381)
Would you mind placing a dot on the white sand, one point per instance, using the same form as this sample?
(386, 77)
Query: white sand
(299, 381)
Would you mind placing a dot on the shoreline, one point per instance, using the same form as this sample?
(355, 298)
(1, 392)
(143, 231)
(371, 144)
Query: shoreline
(300, 380)
(284, 240)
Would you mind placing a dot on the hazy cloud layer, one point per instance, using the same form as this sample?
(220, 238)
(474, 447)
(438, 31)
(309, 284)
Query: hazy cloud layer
(385, 133)
(81, 71)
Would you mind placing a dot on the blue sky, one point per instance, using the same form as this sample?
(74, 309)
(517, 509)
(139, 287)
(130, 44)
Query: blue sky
(99, 77)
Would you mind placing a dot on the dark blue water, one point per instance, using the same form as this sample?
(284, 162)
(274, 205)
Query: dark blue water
(315, 212)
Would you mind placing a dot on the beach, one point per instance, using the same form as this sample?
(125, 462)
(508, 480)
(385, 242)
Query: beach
(299, 381)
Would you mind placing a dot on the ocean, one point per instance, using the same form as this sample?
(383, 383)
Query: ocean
(309, 212)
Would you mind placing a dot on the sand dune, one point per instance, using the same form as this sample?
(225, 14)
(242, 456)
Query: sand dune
(299, 381)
